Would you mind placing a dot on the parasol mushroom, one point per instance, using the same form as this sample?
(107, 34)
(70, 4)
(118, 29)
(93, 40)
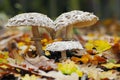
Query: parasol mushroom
(35, 20)
(63, 46)
(72, 19)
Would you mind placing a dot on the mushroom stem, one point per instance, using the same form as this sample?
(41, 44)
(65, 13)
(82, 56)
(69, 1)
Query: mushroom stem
(69, 32)
(38, 45)
(63, 55)
(52, 33)
(58, 34)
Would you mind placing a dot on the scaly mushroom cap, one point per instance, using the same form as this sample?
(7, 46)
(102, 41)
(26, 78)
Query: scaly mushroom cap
(30, 19)
(76, 18)
(64, 45)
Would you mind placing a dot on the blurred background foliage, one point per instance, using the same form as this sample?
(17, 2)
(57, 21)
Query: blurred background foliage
(107, 10)
(104, 9)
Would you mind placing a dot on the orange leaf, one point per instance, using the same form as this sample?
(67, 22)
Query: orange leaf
(100, 59)
(85, 58)
(75, 59)
(2, 56)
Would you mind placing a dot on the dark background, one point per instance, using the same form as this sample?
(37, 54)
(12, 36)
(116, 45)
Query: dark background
(102, 8)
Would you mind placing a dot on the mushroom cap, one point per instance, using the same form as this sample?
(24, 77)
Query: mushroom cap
(64, 45)
(30, 19)
(76, 18)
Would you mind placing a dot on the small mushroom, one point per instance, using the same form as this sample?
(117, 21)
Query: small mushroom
(35, 20)
(72, 19)
(63, 46)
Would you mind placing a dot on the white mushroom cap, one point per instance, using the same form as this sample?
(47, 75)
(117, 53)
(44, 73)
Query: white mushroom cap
(64, 45)
(77, 18)
(30, 19)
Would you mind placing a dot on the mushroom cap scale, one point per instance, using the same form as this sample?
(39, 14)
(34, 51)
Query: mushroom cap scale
(64, 45)
(76, 18)
(30, 19)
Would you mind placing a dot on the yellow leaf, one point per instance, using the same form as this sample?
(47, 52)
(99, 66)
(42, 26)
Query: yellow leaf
(89, 45)
(107, 74)
(101, 45)
(111, 65)
(47, 53)
(90, 35)
(116, 39)
(44, 48)
(27, 77)
(21, 44)
(4, 66)
(80, 73)
(69, 67)
(27, 39)
(3, 57)
(44, 40)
